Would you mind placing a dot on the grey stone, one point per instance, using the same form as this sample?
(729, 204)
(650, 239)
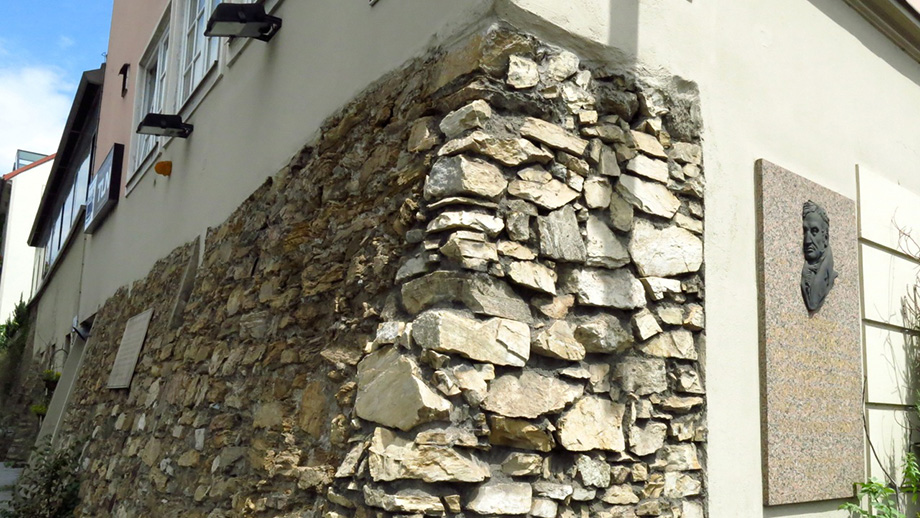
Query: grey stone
(555, 307)
(529, 394)
(645, 440)
(691, 224)
(516, 251)
(560, 237)
(522, 72)
(595, 287)
(501, 498)
(671, 315)
(620, 495)
(553, 490)
(672, 344)
(607, 162)
(680, 404)
(664, 252)
(454, 175)
(405, 501)
(688, 380)
(473, 115)
(593, 423)
(597, 192)
(621, 213)
(496, 340)
(603, 334)
(532, 275)
(553, 136)
(650, 197)
(510, 152)
(471, 249)
(602, 247)
(391, 457)
(544, 508)
(587, 116)
(649, 168)
(480, 293)
(641, 376)
(573, 163)
(612, 99)
(540, 187)
(387, 372)
(608, 133)
(558, 341)
(680, 485)
(599, 380)
(694, 319)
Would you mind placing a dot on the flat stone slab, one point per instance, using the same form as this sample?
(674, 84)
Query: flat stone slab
(811, 362)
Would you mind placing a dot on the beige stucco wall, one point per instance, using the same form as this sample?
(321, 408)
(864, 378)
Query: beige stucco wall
(58, 303)
(808, 85)
(18, 256)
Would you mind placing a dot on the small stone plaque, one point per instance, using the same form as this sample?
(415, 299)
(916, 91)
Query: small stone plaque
(810, 355)
(131, 342)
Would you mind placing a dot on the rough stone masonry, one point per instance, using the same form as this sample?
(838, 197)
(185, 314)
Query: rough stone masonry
(478, 293)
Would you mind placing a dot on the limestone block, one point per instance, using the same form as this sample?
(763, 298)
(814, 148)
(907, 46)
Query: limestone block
(538, 186)
(532, 275)
(501, 498)
(607, 133)
(650, 197)
(641, 376)
(529, 394)
(544, 508)
(658, 287)
(405, 501)
(593, 423)
(686, 153)
(511, 152)
(518, 433)
(454, 175)
(386, 373)
(561, 66)
(522, 72)
(677, 457)
(560, 237)
(466, 220)
(481, 293)
(558, 341)
(648, 144)
(694, 319)
(519, 464)
(423, 135)
(649, 168)
(597, 192)
(672, 344)
(645, 324)
(391, 457)
(664, 252)
(620, 495)
(553, 490)
(603, 334)
(602, 247)
(593, 471)
(553, 136)
(473, 115)
(595, 287)
(621, 213)
(645, 440)
(680, 485)
(496, 340)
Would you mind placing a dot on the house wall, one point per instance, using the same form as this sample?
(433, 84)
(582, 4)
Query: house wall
(18, 257)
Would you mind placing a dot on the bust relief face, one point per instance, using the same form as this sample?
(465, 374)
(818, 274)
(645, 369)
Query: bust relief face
(815, 237)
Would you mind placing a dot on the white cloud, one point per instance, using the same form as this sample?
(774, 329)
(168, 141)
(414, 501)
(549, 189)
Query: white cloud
(34, 103)
(65, 43)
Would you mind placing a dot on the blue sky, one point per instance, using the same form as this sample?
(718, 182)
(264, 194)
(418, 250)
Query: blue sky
(44, 48)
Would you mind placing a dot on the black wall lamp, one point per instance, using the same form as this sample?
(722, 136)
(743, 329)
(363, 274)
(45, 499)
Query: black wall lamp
(164, 125)
(242, 21)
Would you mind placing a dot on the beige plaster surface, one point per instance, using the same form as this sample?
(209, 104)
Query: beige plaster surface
(811, 363)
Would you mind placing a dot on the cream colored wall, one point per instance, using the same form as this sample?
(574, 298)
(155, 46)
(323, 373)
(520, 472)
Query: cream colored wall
(59, 300)
(18, 256)
(808, 85)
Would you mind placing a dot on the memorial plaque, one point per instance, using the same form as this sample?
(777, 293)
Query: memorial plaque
(131, 343)
(811, 360)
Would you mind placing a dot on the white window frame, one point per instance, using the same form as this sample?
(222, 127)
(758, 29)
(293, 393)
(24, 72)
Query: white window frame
(901, 24)
(199, 53)
(151, 94)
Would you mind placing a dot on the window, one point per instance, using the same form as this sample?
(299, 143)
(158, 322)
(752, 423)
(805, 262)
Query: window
(897, 20)
(199, 53)
(153, 94)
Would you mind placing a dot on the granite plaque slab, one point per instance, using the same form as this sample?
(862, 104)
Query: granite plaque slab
(810, 354)
(131, 342)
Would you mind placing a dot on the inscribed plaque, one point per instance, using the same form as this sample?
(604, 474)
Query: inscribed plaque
(811, 360)
(131, 342)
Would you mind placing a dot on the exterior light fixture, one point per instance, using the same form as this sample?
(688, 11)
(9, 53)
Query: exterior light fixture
(242, 21)
(164, 125)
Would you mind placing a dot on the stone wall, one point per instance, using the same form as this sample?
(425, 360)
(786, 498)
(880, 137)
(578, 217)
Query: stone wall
(479, 292)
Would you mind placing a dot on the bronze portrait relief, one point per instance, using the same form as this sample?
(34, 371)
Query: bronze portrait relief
(818, 273)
